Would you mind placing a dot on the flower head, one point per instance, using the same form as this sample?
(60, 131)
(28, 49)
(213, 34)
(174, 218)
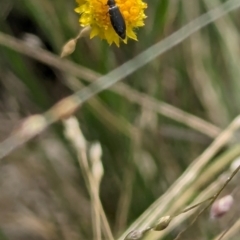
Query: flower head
(95, 13)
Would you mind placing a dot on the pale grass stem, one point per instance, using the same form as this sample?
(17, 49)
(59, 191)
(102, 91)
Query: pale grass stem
(74, 134)
(186, 179)
(166, 220)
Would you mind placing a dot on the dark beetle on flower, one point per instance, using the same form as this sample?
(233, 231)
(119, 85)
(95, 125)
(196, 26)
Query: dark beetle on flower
(116, 19)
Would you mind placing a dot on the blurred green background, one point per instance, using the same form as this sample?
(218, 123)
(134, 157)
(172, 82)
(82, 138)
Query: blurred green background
(42, 191)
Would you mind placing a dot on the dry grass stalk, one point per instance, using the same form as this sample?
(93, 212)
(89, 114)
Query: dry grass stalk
(164, 221)
(74, 134)
(186, 180)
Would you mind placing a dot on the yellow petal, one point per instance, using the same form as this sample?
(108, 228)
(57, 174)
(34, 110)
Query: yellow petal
(94, 32)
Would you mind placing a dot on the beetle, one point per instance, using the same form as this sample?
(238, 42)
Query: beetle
(116, 19)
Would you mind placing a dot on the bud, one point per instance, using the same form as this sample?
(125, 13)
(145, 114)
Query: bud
(221, 206)
(163, 223)
(134, 235)
(68, 48)
(32, 41)
(95, 154)
(73, 133)
(235, 164)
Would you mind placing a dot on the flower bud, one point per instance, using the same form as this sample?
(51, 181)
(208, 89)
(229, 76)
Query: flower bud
(163, 223)
(95, 154)
(68, 48)
(134, 235)
(221, 206)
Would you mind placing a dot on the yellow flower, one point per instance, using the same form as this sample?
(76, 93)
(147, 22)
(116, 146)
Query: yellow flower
(94, 13)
